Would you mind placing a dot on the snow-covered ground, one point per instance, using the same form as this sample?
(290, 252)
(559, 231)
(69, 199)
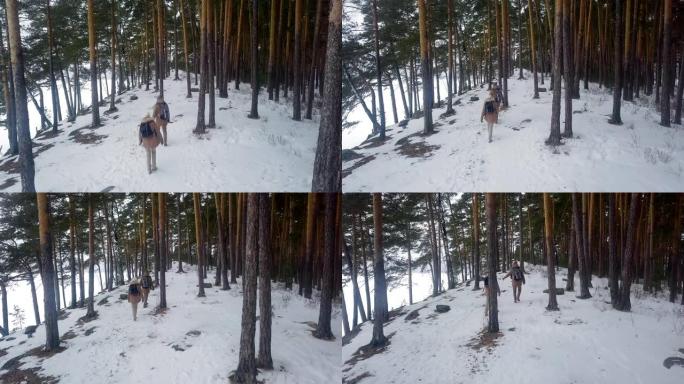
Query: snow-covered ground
(585, 342)
(639, 155)
(272, 153)
(196, 340)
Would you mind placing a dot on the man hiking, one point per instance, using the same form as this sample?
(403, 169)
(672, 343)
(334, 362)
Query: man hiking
(134, 297)
(162, 116)
(490, 112)
(517, 278)
(150, 137)
(146, 285)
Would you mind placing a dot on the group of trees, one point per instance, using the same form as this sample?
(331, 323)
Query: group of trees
(281, 237)
(286, 46)
(633, 46)
(625, 237)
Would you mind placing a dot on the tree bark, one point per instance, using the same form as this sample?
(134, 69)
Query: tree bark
(22, 119)
(379, 338)
(264, 360)
(551, 258)
(48, 275)
(492, 304)
(246, 370)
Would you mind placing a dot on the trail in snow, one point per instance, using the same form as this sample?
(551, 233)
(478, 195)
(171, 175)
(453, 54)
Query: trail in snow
(585, 342)
(196, 340)
(272, 153)
(639, 155)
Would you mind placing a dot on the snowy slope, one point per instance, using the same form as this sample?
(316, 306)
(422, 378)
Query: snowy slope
(272, 153)
(114, 349)
(639, 155)
(585, 342)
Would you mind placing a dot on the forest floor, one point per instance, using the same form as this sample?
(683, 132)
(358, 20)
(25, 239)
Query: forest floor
(272, 153)
(195, 340)
(638, 155)
(585, 342)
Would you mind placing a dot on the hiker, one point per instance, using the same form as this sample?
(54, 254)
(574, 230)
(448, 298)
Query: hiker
(490, 112)
(161, 117)
(134, 297)
(517, 278)
(146, 285)
(149, 137)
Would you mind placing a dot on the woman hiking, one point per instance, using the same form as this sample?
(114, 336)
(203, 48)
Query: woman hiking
(490, 111)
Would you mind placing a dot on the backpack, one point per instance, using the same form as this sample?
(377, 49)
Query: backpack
(164, 112)
(517, 274)
(146, 282)
(133, 289)
(489, 107)
(146, 130)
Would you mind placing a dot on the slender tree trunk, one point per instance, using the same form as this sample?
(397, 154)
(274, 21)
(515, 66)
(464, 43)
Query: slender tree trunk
(379, 338)
(623, 303)
(568, 69)
(618, 42)
(667, 69)
(92, 259)
(246, 370)
(297, 70)
(327, 174)
(254, 113)
(555, 135)
(551, 259)
(323, 329)
(476, 241)
(264, 360)
(200, 128)
(23, 129)
(492, 304)
(426, 62)
(48, 273)
(200, 243)
(92, 41)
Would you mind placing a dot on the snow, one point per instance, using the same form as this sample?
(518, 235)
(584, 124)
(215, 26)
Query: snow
(638, 155)
(585, 342)
(120, 348)
(272, 153)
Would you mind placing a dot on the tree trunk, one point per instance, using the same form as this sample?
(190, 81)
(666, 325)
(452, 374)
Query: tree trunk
(254, 113)
(22, 119)
(492, 304)
(612, 251)
(200, 243)
(555, 135)
(619, 42)
(246, 370)
(476, 240)
(200, 128)
(265, 360)
(48, 275)
(551, 259)
(379, 338)
(623, 303)
(667, 69)
(426, 62)
(580, 249)
(568, 73)
(91, 256)
(297, 70)
(92, 42)
(323, 329)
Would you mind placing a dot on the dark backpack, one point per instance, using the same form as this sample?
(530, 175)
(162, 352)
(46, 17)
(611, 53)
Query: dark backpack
(517, 274)
(146, 130)
(146, 282)
(164, 112)
(133, 289)
(489, 107)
